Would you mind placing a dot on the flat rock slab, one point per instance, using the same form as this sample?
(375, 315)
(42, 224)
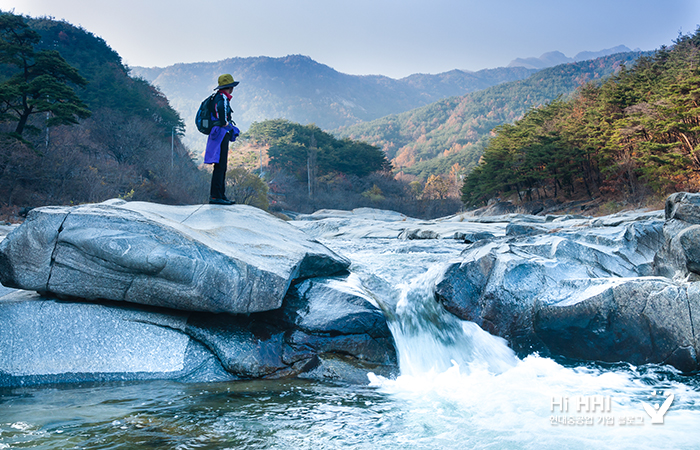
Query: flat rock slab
(339, 227)
(234, 259)
(52, 341)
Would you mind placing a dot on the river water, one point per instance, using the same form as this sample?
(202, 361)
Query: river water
(459, 388)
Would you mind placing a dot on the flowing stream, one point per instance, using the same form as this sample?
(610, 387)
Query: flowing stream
(459, 388)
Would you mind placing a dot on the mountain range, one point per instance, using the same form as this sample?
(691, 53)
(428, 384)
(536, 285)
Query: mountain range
(555, 58)
(419, 120)
(449, 135)
(302, 90)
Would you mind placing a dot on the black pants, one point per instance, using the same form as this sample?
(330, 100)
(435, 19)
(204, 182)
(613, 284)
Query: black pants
(218, 177)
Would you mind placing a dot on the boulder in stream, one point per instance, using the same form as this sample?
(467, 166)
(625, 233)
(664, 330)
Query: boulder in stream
(325, 330)
(233, 259)
(587, 292)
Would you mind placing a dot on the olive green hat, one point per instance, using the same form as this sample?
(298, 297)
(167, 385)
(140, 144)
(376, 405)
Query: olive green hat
(226, 81)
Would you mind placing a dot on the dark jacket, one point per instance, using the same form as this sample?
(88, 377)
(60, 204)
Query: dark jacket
(222, 110)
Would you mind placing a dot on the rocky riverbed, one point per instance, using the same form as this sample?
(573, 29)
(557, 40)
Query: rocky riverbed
(129, 290)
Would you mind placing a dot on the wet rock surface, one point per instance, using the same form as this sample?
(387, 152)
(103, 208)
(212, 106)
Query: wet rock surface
(132, 291)
(53, 341)
(127, 291)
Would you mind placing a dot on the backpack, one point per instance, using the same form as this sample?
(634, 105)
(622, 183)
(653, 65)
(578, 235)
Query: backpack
(203, 118)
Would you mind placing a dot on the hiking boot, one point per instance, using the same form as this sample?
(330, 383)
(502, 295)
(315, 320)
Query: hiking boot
(220, 201)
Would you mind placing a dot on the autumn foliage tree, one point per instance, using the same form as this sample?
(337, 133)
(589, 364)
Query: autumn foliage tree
(634, 135)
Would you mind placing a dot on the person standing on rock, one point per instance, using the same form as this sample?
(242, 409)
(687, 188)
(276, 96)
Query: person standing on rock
(222, 133)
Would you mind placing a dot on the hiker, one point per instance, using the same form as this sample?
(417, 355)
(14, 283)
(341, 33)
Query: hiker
(222, 133)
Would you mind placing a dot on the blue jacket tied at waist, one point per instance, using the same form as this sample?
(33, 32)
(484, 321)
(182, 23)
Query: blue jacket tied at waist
(216, 136)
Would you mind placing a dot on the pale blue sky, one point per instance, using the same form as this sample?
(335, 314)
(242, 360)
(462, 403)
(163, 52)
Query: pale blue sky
(388, 37)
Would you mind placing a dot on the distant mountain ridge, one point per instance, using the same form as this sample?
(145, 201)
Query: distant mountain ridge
(299, 89)
(435, 138)
(551, 59)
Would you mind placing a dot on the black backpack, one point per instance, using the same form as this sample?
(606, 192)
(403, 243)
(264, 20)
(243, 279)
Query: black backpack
(203, 118)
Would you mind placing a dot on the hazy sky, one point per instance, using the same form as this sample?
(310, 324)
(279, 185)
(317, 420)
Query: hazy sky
(388, 37)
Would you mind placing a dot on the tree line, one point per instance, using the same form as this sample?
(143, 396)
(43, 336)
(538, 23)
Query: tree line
(292, 145)
(633, 135)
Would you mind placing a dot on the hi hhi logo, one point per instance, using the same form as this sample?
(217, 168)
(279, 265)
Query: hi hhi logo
(583, 404)
(596, 410)
(658, 411)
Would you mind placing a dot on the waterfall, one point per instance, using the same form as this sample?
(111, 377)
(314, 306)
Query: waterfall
(428, 338)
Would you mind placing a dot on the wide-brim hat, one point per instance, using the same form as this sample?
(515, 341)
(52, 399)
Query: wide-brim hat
(226, 81)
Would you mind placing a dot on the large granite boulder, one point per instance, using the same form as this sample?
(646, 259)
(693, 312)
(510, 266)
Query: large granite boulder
(585, 292)
(680, 255)
(325, 330)
(637, 320)
(233, 259)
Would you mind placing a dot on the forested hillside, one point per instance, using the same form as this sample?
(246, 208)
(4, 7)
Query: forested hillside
(448, 137)
(299, 89)
(308, 169)
(122, 147)
(635, 135)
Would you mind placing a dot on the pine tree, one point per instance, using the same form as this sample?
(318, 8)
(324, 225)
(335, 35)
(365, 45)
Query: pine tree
(41, 81)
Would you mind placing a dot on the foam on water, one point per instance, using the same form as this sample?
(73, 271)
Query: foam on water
(519, 406)
(454, 372)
